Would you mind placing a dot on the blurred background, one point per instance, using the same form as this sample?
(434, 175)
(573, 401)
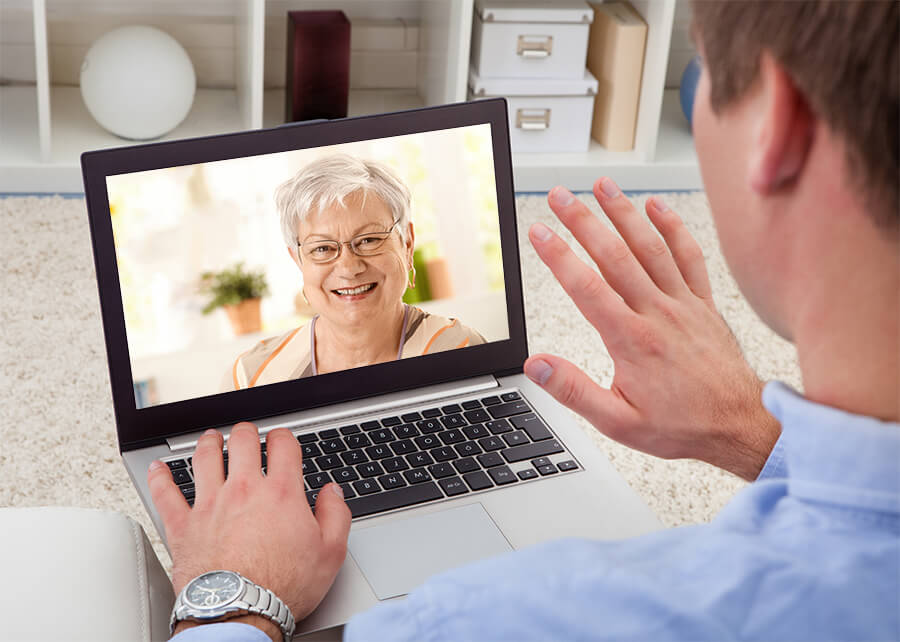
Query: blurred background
(173, 225)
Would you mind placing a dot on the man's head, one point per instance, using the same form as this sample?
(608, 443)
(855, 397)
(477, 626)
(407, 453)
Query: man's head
(797, 128)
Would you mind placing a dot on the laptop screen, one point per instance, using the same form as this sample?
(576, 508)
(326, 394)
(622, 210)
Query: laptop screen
(250, 271)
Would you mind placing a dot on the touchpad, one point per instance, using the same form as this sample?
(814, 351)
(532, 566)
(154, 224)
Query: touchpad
(398, 556)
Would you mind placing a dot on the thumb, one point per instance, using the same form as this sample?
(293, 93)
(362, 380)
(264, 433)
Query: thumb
(570, 386)
(334, 517)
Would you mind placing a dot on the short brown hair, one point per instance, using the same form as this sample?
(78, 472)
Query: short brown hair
(843, 56)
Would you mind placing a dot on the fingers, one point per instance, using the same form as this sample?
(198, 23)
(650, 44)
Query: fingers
(334, 518)
(209, 473)
(611, 254)
(646, 245)
(610, 413)
(284, 458)
(244, 451)
(170, 503)
(595, 299)
(685, 250)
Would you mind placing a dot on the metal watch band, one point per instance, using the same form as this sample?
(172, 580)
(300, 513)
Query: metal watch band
(254, 600)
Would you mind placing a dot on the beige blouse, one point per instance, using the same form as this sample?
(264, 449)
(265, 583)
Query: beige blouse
(292, 355)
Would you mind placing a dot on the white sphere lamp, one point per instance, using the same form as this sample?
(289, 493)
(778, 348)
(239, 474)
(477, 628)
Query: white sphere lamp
(138, 82)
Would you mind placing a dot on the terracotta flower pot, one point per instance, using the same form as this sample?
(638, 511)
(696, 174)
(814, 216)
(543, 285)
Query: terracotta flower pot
(245, 316)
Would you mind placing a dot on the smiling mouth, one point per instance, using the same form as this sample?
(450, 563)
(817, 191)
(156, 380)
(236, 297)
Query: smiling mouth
(362, 289)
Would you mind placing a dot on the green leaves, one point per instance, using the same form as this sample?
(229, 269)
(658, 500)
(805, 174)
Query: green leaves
(232, 285)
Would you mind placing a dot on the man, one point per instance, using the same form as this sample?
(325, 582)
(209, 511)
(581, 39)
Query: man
(796, 128)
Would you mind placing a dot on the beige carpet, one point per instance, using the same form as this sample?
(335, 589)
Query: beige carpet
(57, 436)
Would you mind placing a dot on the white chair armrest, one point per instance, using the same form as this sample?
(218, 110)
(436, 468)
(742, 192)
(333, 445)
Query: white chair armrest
(80, 574)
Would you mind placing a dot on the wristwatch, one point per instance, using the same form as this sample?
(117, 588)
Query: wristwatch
(219, 595)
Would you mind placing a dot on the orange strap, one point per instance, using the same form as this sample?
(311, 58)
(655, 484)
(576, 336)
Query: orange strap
(436, 335)
(272, 356)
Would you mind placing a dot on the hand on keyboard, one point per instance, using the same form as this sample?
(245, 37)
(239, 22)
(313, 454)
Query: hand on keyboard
(681, 386)
(260, 526)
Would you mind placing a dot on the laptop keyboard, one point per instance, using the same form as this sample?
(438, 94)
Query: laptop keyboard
(436, 453)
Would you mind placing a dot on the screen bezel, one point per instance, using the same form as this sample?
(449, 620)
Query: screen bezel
(148, 426)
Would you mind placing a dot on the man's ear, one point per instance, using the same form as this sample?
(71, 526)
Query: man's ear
(785, 129)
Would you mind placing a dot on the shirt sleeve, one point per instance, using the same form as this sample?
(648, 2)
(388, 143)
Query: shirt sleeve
(222, 632)
(775, 466)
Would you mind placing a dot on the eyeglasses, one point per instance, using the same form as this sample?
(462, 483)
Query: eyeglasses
(326, 250)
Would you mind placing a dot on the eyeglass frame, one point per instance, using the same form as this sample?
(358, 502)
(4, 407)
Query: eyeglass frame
(341, 245)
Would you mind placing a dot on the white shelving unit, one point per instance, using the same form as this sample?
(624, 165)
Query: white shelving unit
(44, 125)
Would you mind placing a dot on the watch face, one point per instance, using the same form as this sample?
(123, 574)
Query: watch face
(213, 589)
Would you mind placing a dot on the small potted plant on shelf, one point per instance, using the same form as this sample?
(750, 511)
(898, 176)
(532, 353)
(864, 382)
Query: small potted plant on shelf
(239, 291)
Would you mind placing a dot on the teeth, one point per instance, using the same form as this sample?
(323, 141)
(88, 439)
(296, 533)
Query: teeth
(359, 290)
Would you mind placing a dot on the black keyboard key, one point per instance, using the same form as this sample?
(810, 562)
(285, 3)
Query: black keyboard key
(327, 462)
(317, 480)
(342, 475)
(540, 461)
(366, 486)
(405, 431)
(370, 425)
(428, 426)
(309, 466)
(516, 438)
(398, 498)
(263, 460)
(530, 451)
(567, 465)
(331, 446)
(510, 396)
(476, 416)
(491, 401)
(444, 453)
(451, 409)
(502, 475)
(533, 426)
(528, 473)
(431, 412)
(353, 457)
(178, 463)
(453, 421)
(547, 470)
(426, 442)
(477, 480)
(450, 437)
(331, 433)
(410, 417)
(441, 470)
(188, 491)
(371, 469)
(419, 459)
(382, 436)
(417, 476)
(509, 409)
(310, 450)
(468, 448)
(466, 465)
(475, 432)
(181, 476)
(490, 459)
(387, 422)
(380, 451)
(357, 441)
(348, 491)
(471, 405)
(391, 481)
(491, 443)
(453, 486)
(349, 430)
(308, 438)
(394, 464)
(403, 447)
(311, 497)
(498, 426)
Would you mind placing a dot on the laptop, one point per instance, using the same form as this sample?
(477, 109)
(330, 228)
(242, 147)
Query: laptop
(446, 456)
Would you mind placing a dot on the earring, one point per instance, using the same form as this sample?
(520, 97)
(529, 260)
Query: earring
(411, 283)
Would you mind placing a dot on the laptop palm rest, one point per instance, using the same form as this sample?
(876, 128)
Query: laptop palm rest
(399, 555)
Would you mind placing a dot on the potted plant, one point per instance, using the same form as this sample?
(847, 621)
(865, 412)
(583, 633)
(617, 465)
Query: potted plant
(239, 291)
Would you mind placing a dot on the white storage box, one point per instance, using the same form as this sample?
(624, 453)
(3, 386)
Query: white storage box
(530, 39)
(544, 115)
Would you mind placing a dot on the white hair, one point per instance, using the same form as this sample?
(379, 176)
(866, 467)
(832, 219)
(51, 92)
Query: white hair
(328, 181)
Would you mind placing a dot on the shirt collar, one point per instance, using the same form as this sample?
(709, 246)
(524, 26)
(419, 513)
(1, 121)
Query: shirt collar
(834, 456)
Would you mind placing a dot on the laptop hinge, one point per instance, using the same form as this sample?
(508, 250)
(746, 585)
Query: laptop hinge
(392, 402)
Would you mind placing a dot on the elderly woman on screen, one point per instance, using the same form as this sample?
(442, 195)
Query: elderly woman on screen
(346, 223)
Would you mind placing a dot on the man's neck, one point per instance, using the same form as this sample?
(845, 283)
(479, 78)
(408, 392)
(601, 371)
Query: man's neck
(349, 346)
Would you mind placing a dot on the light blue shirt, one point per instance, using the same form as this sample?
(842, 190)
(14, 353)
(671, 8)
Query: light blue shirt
(811, 551)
